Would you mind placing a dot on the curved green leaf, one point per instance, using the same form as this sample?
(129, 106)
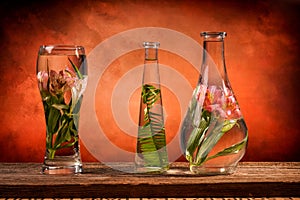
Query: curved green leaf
(151, 135)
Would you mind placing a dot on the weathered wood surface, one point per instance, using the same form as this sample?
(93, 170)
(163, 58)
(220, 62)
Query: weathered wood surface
(252, 179)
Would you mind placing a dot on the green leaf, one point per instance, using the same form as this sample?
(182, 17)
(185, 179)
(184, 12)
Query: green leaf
(67, 145)
(197, 136)
(61, 134)
(192, 143)
(77, 106)
(68, 134)
(51, 153)
(234, 149)
(60, 106)
(213, 135)
(73, 126)
(147, 148)
(52, 119)
(76, 69)
(151, 136)
(228, 124)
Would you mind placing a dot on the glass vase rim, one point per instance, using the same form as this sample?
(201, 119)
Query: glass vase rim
(150, 44)
(62, 46)
(211, 35)
(48, 48)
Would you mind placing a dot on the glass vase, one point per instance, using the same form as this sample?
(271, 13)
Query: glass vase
(213, 133)
(151, 152)
(62, 79)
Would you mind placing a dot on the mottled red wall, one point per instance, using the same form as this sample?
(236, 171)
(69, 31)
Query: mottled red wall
(262, 56)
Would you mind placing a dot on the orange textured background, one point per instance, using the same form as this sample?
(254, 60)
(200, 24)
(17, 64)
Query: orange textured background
(262, 57)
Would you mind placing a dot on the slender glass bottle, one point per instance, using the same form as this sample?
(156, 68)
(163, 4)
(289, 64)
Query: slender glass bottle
(151, 152)
(213, 134)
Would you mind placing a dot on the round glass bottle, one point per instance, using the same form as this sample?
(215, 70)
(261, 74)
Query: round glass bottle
(213, 134)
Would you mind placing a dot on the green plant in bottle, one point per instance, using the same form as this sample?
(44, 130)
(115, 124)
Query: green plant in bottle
(151, 155)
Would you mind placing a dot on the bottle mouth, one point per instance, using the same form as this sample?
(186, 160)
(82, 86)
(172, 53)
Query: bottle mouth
(213, 36)
(151, 44)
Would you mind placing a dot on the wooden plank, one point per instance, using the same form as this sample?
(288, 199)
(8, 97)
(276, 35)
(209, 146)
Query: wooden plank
(273, 198)
(264, 198)
(264, 179)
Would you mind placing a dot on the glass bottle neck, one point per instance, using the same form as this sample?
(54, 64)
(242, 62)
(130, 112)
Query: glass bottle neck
(151, 70)
(214, 55)
(213, 70)
(150, 54)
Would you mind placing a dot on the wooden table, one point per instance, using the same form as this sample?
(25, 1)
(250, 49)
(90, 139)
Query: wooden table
(252, 179)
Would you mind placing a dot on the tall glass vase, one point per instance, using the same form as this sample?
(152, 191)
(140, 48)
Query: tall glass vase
(151, 155)
(62, 79)
(213, 134)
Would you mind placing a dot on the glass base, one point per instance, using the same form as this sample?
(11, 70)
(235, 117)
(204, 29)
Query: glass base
(212, 170)
(62, 169)
(150, 170)
(62, 165)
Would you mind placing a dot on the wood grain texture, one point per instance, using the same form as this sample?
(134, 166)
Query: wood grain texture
(24, 180)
